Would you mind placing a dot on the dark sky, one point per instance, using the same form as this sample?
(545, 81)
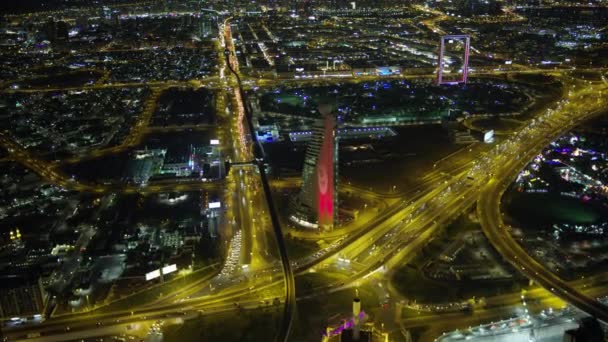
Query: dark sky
(12, 6)
(17, 6)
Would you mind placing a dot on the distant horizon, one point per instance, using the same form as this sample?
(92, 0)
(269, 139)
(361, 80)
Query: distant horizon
(19, 6)
(24, 6)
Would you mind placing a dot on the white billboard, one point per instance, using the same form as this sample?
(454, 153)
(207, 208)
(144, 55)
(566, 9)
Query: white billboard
(156, 273)
(214, 205)
(169, 269)
(152, 275)
(488, 137)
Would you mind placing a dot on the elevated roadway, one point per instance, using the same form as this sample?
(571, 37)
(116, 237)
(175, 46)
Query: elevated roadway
(399, 231)
(243, 110)
(403, 228)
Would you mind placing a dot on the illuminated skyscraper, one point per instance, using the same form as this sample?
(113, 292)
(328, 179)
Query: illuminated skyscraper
(317, 204)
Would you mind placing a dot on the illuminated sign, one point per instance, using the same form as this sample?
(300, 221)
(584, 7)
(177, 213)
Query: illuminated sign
(214, 205)
(214, 142)
(169, 269)
(488, 137)
(165, 270)
(152, 275)
(385, 71)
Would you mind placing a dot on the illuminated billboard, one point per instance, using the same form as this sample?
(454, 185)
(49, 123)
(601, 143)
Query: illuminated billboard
(165, 270)
(169, 269)
(152, 275)
(214, 205)
(488, 137)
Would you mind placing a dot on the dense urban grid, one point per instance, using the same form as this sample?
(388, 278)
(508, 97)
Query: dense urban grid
(303, 170)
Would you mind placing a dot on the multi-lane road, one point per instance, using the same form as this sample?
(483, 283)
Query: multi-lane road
(575, 110)
(403, 227)
(400, 230)
(245, 121)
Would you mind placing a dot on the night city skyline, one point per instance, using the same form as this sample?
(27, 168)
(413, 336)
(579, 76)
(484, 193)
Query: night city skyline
(304, 170)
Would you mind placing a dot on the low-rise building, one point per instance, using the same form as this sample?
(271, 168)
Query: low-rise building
(21, 295)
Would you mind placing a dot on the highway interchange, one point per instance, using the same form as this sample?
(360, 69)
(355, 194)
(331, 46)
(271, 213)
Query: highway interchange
(410, 220)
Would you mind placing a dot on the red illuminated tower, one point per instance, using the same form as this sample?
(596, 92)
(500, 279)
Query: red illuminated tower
(326, 171)
(317, 205)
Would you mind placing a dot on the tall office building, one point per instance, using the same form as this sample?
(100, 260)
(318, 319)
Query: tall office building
(317, 204)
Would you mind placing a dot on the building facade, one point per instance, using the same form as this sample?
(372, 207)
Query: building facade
(317, 204)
